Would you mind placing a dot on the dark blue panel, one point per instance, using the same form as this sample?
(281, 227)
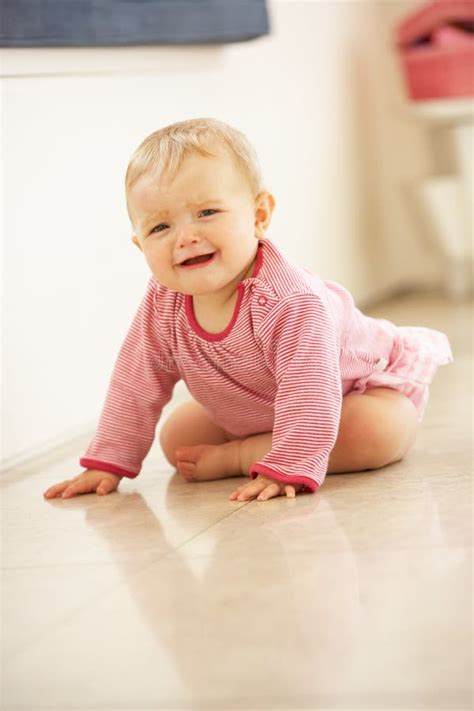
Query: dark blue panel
(83, 23)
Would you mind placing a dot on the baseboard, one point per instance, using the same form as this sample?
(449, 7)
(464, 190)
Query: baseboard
(75, 439)
(48, 451)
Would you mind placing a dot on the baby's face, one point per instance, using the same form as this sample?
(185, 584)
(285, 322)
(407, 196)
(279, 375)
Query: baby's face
(197, 232)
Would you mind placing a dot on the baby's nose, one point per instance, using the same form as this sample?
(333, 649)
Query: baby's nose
(186, 235)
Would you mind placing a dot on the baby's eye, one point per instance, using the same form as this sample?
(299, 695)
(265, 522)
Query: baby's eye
(208, 212)
(159, 228)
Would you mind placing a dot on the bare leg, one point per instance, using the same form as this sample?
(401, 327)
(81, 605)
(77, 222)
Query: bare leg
(376, 429)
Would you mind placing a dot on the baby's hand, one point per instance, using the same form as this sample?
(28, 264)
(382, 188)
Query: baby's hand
(85, 483)
(263, 488)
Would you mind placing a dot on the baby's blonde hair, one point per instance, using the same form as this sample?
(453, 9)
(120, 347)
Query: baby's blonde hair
(163, 151)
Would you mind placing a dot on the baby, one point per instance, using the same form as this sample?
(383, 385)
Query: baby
(290, 380)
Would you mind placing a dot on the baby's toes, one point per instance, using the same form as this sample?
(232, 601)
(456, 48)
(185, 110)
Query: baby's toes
(186, 469)
(189, 454)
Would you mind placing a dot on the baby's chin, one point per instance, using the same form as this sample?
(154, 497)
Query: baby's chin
(202, 282)
(204, 288)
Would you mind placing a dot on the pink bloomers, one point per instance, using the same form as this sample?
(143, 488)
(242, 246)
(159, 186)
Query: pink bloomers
(415, 358)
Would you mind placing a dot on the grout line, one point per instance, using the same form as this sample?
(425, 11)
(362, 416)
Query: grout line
(101, 563)
(116, 586)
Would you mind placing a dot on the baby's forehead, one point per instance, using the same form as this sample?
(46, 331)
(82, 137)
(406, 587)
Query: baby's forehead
(194, 179)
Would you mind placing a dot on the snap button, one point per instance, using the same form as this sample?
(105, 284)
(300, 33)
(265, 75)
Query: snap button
(381, 364)
(261, 301)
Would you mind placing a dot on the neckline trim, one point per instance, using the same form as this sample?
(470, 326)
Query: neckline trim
(189, 306)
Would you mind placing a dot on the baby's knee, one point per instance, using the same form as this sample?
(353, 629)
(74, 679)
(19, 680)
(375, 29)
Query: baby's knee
(380, 429)
(171, 434)
(392, 426)
(168, 445)
(187, 426)
(385, 447)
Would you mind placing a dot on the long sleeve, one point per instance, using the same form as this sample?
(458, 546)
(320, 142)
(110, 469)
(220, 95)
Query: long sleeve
(142, 383)
(299, 341)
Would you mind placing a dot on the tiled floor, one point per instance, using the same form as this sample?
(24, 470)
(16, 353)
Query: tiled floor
(168, 596)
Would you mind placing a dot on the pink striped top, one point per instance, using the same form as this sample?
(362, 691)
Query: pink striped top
(293, 348)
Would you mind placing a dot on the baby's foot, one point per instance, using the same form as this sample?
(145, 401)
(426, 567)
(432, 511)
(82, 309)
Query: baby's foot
(205, 462)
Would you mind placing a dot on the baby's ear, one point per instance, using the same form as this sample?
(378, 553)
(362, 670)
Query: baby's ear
(264, 206)
(135, 241)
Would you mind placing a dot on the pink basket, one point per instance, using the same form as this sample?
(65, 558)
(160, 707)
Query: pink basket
(436, 49)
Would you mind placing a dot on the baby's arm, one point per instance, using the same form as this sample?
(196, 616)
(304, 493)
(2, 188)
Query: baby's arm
(142, 383)
(301, 347)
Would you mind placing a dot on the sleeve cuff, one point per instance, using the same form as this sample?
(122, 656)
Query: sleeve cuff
(310, 485)
(106, 467)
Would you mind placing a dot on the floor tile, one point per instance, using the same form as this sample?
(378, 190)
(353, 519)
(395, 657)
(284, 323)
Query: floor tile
(364, 629)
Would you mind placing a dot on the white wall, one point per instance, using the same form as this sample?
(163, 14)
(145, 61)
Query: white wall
(316, 98)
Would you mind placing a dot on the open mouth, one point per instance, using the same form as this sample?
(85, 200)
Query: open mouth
(198, 261)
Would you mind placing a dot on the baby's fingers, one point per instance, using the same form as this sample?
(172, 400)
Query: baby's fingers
(246, 491)
(106, 486)
(269, 492)
(57, 489)
(251, 490)
(77, 487)
(85, 483)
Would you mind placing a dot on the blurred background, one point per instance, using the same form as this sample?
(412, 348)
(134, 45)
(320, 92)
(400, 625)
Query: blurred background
(371, 187)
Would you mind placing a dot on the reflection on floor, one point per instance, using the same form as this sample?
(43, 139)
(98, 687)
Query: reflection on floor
(168, 596)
